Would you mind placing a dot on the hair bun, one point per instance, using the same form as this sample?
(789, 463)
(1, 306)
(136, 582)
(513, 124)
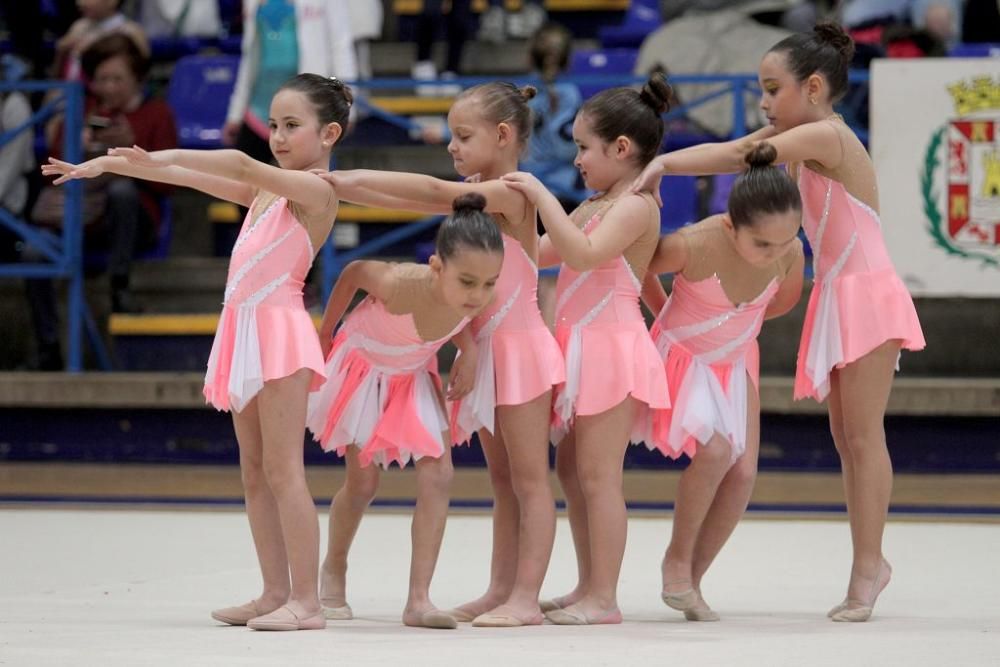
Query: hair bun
(833, 34)
(761, 155)
(469, 202)
(657, 93)
(528, 92)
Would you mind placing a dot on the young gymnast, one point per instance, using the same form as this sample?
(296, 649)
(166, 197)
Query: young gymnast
(731, 272)
(518, 359)
(860, 314)
(266, 353)
(382, 398)
(613, 373)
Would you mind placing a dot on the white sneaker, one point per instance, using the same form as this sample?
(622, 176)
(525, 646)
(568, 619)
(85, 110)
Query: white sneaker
(424, 70)
(449, 88)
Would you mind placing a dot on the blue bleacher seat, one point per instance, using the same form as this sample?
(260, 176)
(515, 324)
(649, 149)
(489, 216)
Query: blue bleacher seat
(199, 93)
(603, 62)
(973, 50)
(641, 18)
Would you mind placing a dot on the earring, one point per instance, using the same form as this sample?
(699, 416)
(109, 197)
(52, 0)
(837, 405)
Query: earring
(812, 100)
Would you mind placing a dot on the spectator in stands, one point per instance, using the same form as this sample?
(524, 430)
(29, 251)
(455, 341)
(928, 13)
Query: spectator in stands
(26, 24)
(711, 42)
(552, 149)
(98, 18)
(366, 25)
(180, 18)
(498, 24)
(457, 22)
(282, 38)
(125, 216)
(940, 18)
(16, 155)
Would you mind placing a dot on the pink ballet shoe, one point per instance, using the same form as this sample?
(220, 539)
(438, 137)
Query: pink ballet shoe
(859, 611)
(284, 619)
(240, 615)
(571, 616)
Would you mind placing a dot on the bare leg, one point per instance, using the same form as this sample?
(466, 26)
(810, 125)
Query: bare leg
(846, 463)
(601, 441)
(526, 436)
(433, 491)
(864, 392)
(576, 508)
(731, 498)
(282, 406)
(503, 560)
(262, 511)
(346, 511)
(695, 496)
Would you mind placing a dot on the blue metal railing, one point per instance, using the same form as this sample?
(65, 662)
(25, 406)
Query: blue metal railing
(63, 251)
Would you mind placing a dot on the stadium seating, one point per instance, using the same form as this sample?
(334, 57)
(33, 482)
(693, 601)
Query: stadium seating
(641, 18)
(601, 62)
(199, 94)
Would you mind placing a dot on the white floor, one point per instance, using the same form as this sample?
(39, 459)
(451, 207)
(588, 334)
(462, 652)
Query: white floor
(103, 587)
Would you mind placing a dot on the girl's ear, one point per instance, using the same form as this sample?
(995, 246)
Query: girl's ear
(816, 88)
(436, 264)
(330, 134)
(623, 147)
(727, 225)
(505, 134)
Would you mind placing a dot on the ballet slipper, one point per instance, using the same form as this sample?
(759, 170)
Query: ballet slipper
(285, 619)
(571, 616)
(241, 614)
(549, 605)
(461, 615)
(343, 613)
(434, 619)
(701, 611)
(681, 601)
(499, 619)
(836, 610)
(863, 611)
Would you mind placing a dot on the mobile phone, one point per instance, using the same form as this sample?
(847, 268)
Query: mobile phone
(98, 122)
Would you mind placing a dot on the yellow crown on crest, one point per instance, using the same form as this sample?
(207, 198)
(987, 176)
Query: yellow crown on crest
(979, 94)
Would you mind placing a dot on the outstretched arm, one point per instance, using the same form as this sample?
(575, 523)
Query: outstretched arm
(790, 289)
(374, 277)
(217, 186)
(434, 195)
(302, 187)
(623, 224)
(712, 158)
